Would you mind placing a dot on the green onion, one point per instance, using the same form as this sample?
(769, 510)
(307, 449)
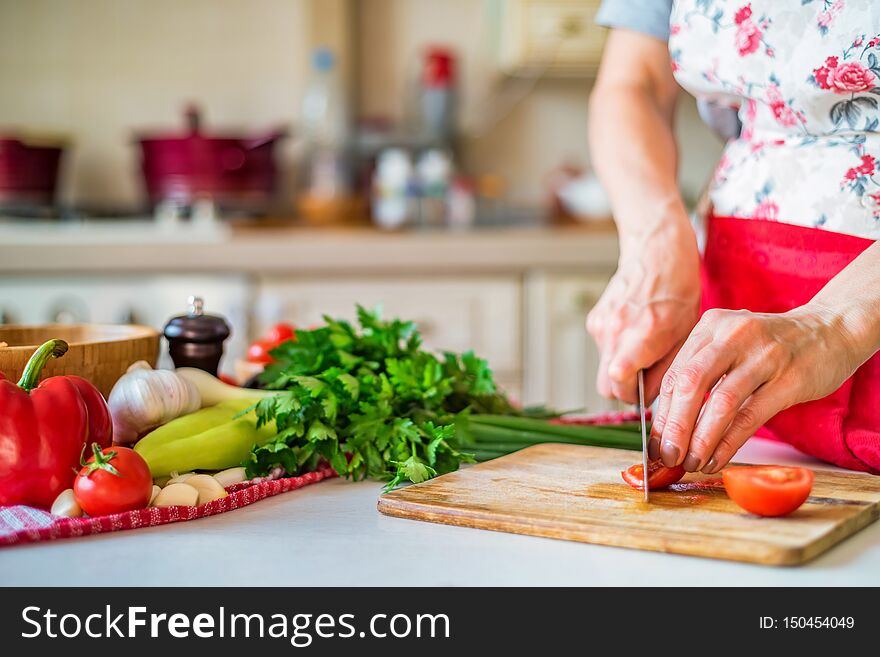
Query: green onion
(542, 426)
(491, 436)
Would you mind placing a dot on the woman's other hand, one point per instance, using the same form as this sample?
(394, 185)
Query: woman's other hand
(751, 366)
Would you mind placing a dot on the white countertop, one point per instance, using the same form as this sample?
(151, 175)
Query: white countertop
(330, 533)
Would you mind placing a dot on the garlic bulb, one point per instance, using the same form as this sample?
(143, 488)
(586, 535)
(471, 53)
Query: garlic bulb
(144, 399)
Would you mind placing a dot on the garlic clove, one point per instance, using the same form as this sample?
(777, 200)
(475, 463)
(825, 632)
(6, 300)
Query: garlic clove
(156, 491)
(208, 487)
(180, 479)
(66, 505)
(177, 495)
(231, 476)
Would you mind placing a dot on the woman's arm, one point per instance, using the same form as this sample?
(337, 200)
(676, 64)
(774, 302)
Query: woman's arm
(652, 302)
(763, 363)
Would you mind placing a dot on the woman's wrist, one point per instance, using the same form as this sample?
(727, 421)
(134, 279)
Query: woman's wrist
(848, 321)
(671, 233)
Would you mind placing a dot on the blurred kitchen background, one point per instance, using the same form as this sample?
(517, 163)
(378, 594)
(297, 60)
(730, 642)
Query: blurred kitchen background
(288, 158)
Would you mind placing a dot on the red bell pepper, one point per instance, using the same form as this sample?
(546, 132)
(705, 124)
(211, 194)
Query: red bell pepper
(44, 428)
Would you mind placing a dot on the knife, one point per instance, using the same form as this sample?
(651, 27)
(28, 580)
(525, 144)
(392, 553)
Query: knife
(644, 434)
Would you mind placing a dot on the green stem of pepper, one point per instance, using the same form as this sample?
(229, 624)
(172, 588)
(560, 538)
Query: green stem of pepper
(30, 378)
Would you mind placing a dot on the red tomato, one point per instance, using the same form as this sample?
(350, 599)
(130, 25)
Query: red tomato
(768, 490)
(281, 332)
(113, 480)
(258, 352)
(659, 476)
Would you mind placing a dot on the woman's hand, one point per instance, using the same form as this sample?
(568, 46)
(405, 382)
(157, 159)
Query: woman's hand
(652, 302)
(754, 365)
(647, 310)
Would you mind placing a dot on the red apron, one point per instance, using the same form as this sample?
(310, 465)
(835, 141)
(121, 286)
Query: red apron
(767, 266)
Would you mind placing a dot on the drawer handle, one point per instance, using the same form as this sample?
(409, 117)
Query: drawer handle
(586, 300)
(571, 26)
(426, 327)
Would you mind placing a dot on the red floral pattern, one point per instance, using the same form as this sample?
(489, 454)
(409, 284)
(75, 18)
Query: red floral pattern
(748, 35)
(767, 210)
(846, 78)
(782, 112)
(806, 77)
(866, 168)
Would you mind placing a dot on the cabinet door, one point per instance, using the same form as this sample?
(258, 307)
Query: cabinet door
(555, 37)
(149, 299)
(452, 313)
(561, 358)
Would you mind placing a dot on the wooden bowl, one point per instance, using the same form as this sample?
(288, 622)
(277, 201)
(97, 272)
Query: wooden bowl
(98, 352)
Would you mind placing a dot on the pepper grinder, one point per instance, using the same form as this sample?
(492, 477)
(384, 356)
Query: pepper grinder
(196, 339)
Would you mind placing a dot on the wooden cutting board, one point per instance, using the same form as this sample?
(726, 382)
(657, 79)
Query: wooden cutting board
(576, 493)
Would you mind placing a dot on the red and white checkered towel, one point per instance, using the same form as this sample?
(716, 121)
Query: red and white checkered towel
(24, 524)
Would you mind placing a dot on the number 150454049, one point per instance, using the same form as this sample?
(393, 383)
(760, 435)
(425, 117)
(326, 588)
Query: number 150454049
(808, 623)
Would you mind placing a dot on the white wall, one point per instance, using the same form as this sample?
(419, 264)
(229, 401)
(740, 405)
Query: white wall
(98, 70)
(547, 127)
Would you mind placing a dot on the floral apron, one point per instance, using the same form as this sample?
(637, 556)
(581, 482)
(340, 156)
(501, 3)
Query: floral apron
(797, 196)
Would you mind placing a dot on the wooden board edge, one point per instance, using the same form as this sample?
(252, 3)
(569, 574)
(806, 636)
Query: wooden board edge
(685, 546)
(850, 527)
(391, 504)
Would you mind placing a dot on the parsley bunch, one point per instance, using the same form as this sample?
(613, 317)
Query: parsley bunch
(371, 402)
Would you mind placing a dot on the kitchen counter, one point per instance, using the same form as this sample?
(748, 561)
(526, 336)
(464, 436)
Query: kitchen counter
(145, 246)
(331, 534)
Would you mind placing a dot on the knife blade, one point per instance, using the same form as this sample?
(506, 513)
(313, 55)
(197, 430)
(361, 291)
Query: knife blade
(644, 434)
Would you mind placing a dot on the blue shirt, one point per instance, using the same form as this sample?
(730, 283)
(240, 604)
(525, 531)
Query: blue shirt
(649, 17)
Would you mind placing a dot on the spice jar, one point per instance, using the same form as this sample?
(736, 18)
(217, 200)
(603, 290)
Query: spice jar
(196, 339)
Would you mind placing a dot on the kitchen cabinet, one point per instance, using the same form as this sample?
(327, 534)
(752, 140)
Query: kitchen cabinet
(550, 38)
(561, 359)
(454, 313)
(516, 297)
(128, 298)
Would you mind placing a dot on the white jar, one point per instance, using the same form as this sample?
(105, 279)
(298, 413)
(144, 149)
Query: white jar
(392, 203)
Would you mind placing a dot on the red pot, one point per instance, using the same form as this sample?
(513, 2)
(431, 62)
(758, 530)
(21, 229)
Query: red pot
(232, 170)
(28, 171)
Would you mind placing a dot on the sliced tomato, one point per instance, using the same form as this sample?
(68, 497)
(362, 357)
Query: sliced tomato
(659, 476)
(281, 332)
(768, 490)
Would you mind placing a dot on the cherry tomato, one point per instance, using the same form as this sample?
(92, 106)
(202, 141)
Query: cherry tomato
(659, 476)
(258, 352)
(281, 333)
(113, 480)
(768, 490)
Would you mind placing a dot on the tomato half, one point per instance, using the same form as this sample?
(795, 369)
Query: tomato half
(659, 476)
(280, 333)
(113, 480)
(768, 490)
